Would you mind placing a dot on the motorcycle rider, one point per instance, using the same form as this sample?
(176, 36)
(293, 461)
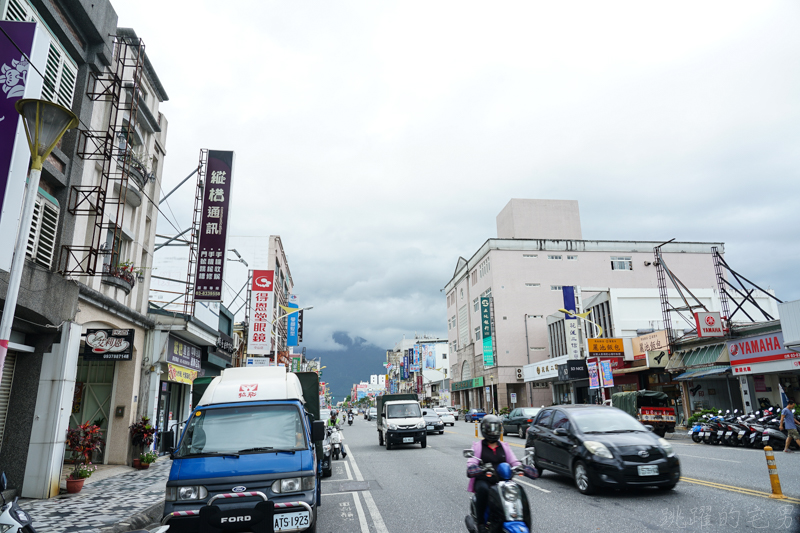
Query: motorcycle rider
(788, 419)
(334, 423)
(492, 451)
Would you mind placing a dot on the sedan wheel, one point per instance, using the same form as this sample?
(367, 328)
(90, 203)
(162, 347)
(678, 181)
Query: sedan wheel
(582, 480)
(521, 433)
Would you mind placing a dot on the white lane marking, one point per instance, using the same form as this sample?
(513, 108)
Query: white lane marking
(377, 519)
(347, 468)
(531, 485)
(362, 519)
(709, 458)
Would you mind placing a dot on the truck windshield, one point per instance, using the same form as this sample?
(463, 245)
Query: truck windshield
(409, 410)
(252, 428)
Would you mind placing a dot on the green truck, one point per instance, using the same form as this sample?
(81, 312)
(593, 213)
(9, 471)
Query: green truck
(648, 407)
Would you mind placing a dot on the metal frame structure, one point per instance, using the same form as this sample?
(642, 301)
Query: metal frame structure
(194, 236)
(119, 85)
(662, 273)
(746, 293)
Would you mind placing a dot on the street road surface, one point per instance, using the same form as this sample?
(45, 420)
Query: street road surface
(413, 490)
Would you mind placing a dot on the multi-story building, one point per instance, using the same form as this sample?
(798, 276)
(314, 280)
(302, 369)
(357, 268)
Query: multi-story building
(420, 365)
(89, 248)
(539, 249)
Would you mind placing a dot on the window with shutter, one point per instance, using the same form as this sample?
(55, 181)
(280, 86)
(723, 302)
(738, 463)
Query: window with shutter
(61, 71)
(5, 390)
(42, 237)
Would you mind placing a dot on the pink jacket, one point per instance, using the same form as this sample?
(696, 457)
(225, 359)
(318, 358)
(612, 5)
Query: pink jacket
(474, 461)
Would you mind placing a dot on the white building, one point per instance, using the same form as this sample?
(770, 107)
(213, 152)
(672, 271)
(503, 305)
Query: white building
(539, 249)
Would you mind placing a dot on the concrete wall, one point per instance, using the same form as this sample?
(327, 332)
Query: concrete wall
(539, 219)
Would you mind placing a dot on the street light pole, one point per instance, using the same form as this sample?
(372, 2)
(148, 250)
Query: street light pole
(45, 123)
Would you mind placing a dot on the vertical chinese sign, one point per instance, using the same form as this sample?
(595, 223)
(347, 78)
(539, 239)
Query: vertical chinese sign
(291, 321)
(486, 328)
(571, 323)
(19, 80)
(259, 336)
(213, 227)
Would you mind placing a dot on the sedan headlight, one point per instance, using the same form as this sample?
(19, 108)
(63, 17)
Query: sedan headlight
(421, 425)
(392, 427)
(667, 447)
(598, 448)
(192, 492)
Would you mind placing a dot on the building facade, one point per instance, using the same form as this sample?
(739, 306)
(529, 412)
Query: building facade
(84, 272)
(538, 251)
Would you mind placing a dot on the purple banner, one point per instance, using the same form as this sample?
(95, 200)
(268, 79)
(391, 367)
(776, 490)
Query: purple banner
(214, 227)
(13, 77)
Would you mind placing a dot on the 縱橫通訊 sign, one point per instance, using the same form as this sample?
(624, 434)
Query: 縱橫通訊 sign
(486, 331)
(214, 227)
(259, 334)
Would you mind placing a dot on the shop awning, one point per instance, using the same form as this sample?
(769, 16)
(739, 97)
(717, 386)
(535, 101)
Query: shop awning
(700, 373)
(702, 355)
(629, 370)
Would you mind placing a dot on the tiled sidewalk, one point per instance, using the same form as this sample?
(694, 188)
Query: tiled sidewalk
(102, 503)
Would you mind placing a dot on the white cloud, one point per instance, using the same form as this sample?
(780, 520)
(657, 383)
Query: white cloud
(380, 140)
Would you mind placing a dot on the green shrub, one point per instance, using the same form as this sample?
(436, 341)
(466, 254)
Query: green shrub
(697, 416)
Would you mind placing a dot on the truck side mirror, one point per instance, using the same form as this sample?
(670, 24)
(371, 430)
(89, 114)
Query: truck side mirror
(317, 430)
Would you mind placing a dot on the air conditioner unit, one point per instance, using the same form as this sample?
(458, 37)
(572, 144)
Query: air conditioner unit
(519, 374)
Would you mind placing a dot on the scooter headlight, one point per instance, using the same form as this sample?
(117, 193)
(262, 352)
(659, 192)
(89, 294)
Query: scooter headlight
(510, 492)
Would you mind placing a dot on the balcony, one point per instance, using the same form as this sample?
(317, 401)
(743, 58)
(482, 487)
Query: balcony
(119, 277)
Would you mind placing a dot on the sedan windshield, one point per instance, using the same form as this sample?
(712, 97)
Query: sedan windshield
(252, 428)
(409, 410)
(607, 420)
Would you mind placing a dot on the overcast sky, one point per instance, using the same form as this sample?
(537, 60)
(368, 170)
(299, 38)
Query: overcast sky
(381, 139)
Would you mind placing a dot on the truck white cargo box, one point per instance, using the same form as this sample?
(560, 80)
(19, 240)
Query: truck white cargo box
(250, 384)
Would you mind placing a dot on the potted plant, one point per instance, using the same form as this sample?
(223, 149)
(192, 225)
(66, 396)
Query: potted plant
(142, 434)
(83, 441)
(145, 459)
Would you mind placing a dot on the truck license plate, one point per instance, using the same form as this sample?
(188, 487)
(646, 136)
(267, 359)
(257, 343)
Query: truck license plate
(291, 521)
(648, 470)
(406, 440)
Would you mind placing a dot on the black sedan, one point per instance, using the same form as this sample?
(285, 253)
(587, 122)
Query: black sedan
(433, 423)
(518, 420)
(601, 446)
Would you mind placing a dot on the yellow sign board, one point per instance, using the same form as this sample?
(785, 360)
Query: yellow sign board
(179, 374)
(606, 347)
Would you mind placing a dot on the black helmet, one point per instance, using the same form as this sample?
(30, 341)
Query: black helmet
(491, 428)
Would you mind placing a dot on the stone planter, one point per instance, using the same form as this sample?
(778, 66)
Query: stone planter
(74, 486)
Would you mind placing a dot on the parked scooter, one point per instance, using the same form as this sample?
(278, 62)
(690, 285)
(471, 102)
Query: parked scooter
(12, 518)
(514, 508)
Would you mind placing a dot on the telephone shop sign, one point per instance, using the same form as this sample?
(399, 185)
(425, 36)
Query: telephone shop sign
(108, 345)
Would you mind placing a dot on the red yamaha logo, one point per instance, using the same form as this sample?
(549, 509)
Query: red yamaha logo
(710, 320)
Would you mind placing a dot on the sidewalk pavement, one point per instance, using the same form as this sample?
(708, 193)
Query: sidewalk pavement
(121, 502)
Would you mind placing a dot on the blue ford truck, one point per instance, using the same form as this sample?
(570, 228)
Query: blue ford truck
(255, 436)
